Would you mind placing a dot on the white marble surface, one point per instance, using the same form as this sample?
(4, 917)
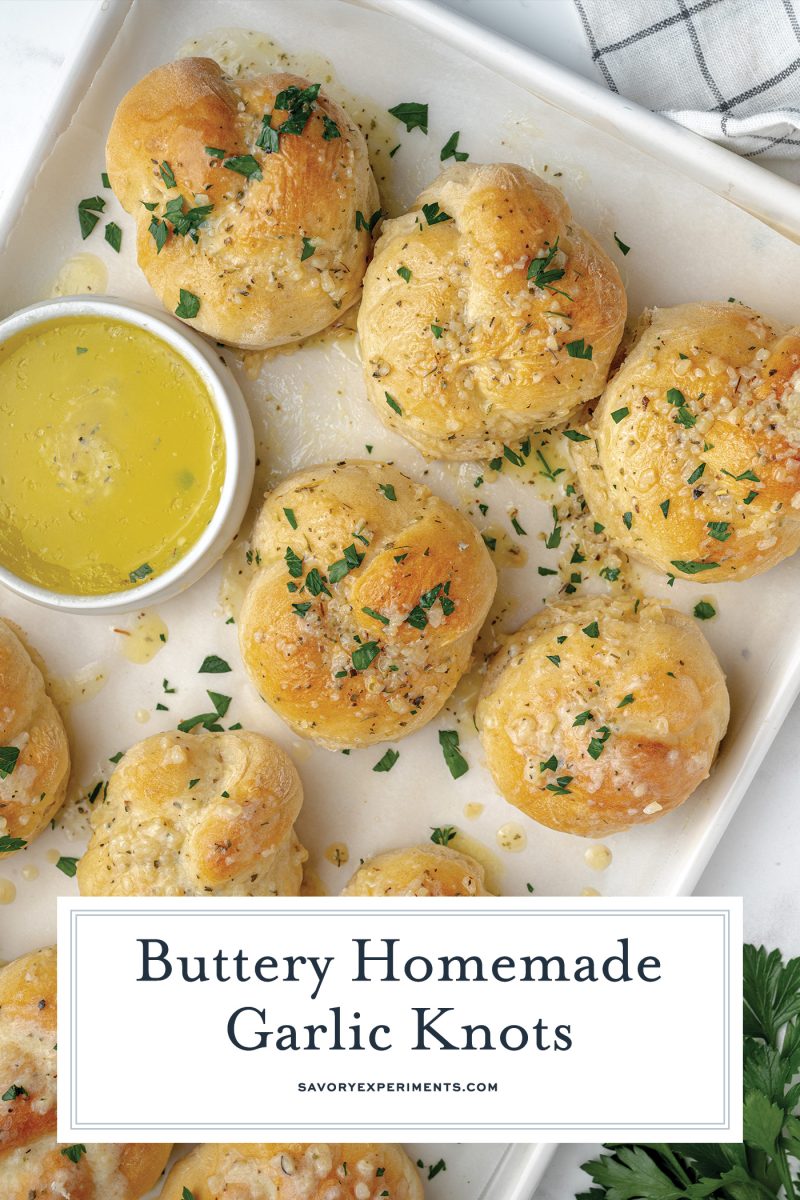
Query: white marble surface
(758, 856)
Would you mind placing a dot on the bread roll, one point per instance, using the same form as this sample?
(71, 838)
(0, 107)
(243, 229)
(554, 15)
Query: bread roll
(468, 325)
(282, 251)
(32, 1163)
(294, 1171)
(370, 592)
(34, 753)
(427, 870)
(197, 814)
(600, 714)
(693, 462)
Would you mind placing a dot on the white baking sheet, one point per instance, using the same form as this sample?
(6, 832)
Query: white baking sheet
(686, 243)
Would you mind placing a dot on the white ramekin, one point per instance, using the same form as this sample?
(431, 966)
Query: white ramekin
(237, 431)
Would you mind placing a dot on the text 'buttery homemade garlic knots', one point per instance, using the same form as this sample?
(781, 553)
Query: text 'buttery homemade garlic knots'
(692, 461)
(34, 753)
(487, 313)
(294, 1171)
(369, 594)
(197, 814)
(247, 194)
(600, 714)
(427, 870)
(32, 1163)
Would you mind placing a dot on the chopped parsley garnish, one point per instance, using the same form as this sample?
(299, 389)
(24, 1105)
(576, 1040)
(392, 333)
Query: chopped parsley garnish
(193, 783)
(750, 497)
(619, 415)
(188, 305)
(696, 473)
(664, 506)
(14, 1091)
(719, 530)
(368, 224)
(365, 654)
(68, 865)
(215, 152)
(574, 436)
(404, 273)
(316, 583)
(434, 1170)
(8, 760)
(298, 102)
(308, 249)
(704, 611)
(418, 617)
(553, 539)
(244, 164)
(560, 788)
(301, 609)
(330, 130)
(610, 573)
(87, 213)
(542, 275)
(550, 764)
(548, 471)
(518, 528)
(290, 517)
(294, 563)
(388, 490)
(626, 700)
(489, 541)
(433, 214)
(113, 236)
(621, 244)
(442, 834)
(597, 743)
(106, 182)
(8, 843)
(450, 149)
(751, 475)
(579, 349)
(74, 1152)
(692, 568)
(140, 573)
(183, 222)
(555, 659)
(371, 612)
(343, 566)
(267, 139)
(627, 519)
(387, 762)
(390, 400)
(412, 114)
(187, 1195)
(165, 171)
(591, 630)
(212, 664)
(158, 231)
(582, 718)
(221, 703)
(437, 331)
(456, 763)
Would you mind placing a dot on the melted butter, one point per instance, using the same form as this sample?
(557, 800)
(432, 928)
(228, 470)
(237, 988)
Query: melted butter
(246, 52)
(342, 334)
(505, 552)
(53, 856)
(236, 575)
(30, 873)
(141, 641)
(473, 810)
(75, 689)
(598, 857)
(512, 837)
(312, 885)
(590, 892)
(112, 457)
(83, 274)
(338, 854)
(482, 854)
(142, 716)
(7, 891)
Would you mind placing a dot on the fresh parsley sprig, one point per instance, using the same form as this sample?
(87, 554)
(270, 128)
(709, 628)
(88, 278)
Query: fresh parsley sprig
(767, 1164)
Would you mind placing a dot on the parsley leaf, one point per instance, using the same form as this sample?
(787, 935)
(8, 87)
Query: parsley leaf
(413, 115)
(450, 149)
(387, 762)
(188, 305)
(8, 844)
(442, 834)
(456, 763)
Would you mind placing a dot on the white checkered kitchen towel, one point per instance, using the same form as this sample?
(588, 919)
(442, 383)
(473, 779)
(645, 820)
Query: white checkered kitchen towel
(728, 69)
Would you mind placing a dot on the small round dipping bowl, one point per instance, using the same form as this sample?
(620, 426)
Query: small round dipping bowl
(237, 431)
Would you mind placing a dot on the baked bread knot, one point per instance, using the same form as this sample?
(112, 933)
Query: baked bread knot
(370, 592)
(247, 194)
(32, 1163)
(34, 753)
(600, 714)
(197, 814)
(693, 457)
(427, 870)
(294, 1171)
(487, 313)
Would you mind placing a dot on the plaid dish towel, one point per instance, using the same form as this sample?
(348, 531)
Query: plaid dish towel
(728, 69)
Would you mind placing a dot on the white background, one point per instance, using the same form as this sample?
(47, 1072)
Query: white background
(758, 855)
(667, 1024)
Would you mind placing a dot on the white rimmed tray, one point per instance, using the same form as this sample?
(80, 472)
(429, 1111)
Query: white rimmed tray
(678, 202)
